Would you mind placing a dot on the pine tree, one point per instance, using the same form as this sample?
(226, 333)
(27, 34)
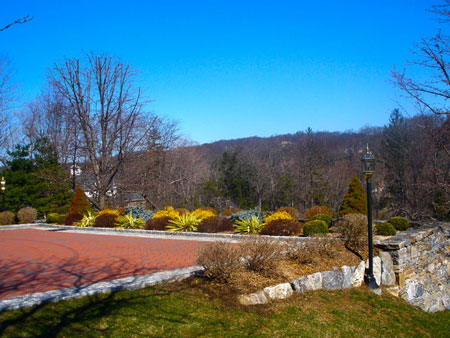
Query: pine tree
(355, 201)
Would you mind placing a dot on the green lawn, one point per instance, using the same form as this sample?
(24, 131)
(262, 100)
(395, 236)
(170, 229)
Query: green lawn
(180, 310)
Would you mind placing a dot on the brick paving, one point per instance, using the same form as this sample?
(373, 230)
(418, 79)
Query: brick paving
(36, 260)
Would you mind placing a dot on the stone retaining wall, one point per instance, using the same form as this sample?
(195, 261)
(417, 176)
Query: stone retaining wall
(421, 262)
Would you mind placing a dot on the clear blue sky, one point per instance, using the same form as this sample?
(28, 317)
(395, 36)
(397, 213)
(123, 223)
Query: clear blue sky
(229, 69)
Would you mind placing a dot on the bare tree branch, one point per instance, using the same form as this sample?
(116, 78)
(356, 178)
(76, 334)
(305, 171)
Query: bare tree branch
(22, 20)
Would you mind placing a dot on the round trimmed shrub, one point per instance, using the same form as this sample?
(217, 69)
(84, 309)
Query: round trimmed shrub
(26, 215)
(322, 217)
(318, 209)
(385, 229)
(158, 223)
(281, 227)
(215, 224)
(6, 217)
(52, 218)
(106, 219)
(315, 227)
(399, 223)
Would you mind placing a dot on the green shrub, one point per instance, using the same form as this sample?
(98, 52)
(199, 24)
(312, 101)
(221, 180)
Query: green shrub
(6, 218)
(315, 227)
(26, 215)
(186, 223)
(385, 229)
(322, 217)
(248, 226)
(355, 200)
(281, 227)
(61, 219)
(215, 224)
(399, 223)
(52, 217)
(129, 222)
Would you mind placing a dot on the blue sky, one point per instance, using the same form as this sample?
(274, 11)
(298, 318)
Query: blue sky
(229, 69)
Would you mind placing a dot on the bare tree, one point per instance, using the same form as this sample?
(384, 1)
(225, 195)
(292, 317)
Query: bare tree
(103, 95)
(19, 21)
(6, 98)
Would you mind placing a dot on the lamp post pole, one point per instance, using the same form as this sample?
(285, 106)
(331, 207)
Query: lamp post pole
(3, 183)
(368, 162)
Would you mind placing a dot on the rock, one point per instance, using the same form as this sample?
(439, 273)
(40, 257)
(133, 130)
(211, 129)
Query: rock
(253, 298)
(348, 272)
(308, 283)
(279, 291)
(332, 280)
(392, 290)
(376, 268)
(376, 291)
(358, 275)
(387, 269)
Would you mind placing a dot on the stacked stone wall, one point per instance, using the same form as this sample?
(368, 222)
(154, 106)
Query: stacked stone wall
(421, 261)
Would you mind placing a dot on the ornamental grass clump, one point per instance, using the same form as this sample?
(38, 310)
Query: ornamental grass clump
(248, 226)
(260, 254)
(353, 228)
(185, 223)
(87, 221)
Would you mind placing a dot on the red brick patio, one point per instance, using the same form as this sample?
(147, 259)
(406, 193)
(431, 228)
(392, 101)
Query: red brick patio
(34, 260)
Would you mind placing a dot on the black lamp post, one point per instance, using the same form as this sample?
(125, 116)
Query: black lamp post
(3, 183)
(368, 163)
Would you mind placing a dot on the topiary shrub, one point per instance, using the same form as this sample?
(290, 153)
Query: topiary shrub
(281, 227)
(78, 207)
(291, 211)
(318, 209)
(26, 215)
(353, 228)
(322, 217)
(158, 223)
(215, 224)
(6, 218)
(52, 218)
(385, 229)
(138, 212)
(399, 223)
(230, 211)
(316, 227)
(355, 200)
(107, 218)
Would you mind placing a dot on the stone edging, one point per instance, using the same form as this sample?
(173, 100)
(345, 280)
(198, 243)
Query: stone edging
(127, 283)
(338, 279)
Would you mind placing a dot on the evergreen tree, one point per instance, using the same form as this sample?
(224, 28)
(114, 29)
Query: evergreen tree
(355, 201)
(80, 204)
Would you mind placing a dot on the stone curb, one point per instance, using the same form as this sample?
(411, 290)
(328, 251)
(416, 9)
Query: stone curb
(156, 233)
(127, 283)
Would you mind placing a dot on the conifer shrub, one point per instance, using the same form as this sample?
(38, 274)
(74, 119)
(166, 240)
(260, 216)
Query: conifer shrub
(158, 223)
(6, 217)
(316, 227)
(78, 208)
(204, 213)
(247, 215)
(138, 212)
(168, 211)
(291, 211)
(26, 215)
(52, 218)
(322, 217)
(399, 223)
(227, 212)
(385, 229)
(355, 201)
(281, 227)
(318, 209)
(215, 224)
(353, 228)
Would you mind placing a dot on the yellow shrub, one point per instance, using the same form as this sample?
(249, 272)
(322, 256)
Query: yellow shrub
(167, 212)
(283, 215)
(202, 214)
(109, 212)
